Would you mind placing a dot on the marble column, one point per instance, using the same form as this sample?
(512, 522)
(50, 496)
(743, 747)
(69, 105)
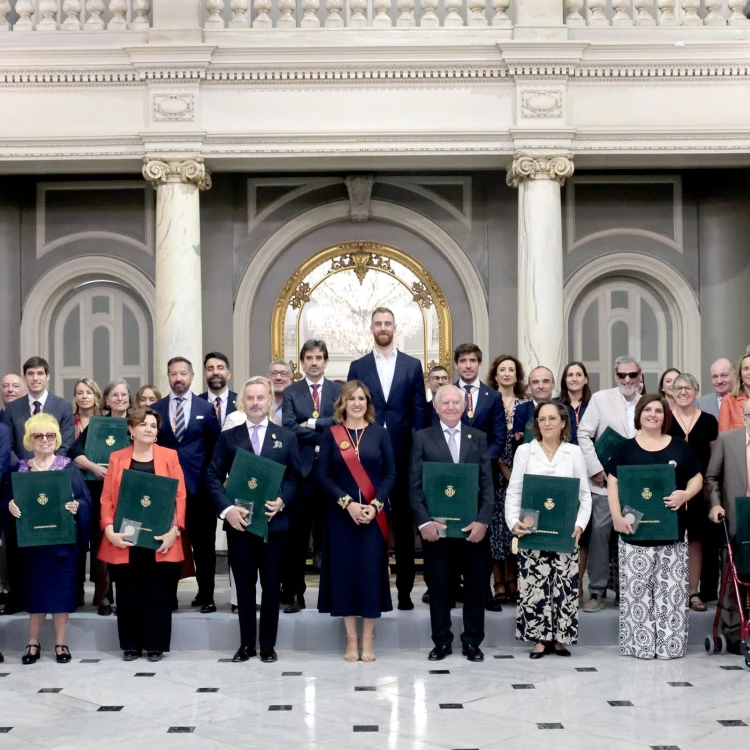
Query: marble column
(178, 327)
(541, 325)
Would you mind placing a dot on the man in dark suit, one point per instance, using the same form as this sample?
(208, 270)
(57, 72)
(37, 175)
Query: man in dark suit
(437, 377)
(307, 410)
(5, 519)
(217, 374)
(396, 384)
(280, 375)
(189, 426)
(38, 399)
(11, 388)
(452, 441)
(248, 554)
(541, 386)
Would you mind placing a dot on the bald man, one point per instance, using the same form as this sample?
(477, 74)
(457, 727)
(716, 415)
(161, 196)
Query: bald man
(11, 388)
(722, 381)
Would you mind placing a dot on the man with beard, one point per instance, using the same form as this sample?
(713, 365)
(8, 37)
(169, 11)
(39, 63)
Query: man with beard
(217, 373)
(541, 387)
(396, 383)
(615, 408)
(189, 426)
(307, 411)
(280, 375)
(12, 388)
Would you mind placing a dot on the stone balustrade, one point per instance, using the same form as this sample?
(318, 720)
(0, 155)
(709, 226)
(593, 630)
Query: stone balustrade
(230, 15)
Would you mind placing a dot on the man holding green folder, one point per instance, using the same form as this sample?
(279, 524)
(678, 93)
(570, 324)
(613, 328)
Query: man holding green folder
(463, 546)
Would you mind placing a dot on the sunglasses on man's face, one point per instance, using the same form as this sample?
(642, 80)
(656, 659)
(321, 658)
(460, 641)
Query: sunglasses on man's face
(49, 436)
(631, 375)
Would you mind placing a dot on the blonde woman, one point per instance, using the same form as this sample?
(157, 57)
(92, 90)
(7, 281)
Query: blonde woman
(147, 395)
(87, 403)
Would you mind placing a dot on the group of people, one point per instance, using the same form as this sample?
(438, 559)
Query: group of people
(353, 454)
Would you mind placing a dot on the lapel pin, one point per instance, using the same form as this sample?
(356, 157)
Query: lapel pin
(469, 436)
(273, 436)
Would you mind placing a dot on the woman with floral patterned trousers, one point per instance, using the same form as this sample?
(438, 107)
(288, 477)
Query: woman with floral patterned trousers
(548, 581)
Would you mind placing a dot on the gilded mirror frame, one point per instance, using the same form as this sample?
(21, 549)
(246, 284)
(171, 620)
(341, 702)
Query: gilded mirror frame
(363, 257)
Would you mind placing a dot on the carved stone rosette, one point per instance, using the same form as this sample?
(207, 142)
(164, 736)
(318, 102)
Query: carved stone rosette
(193, 171)
(538, 167)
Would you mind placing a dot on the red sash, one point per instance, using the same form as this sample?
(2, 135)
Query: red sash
(341, 436)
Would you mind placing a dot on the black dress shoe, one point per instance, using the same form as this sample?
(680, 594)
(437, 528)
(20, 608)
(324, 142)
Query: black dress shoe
(197, 602)
(207, 609)
(267, 654)
(64, 656)
(296, 606)
(560, 651)
(9, 609)
(30, 657)
(244, 653)
(155, 655)
(440, 652)
(426, 597)
(104, 610)
(492, 605)
(235, 609)
(472, 653)
(405, 603)
(2, 658)
(130, 655)
(537, 654)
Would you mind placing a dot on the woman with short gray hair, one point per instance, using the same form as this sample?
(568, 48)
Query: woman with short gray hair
(700, 429)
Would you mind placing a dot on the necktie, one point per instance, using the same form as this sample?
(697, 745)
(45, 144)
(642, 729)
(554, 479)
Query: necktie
(37, 407)
(316, 400)
(179, 420)
(217, 408)
(469, 402)
(453, 445)
(254, 440)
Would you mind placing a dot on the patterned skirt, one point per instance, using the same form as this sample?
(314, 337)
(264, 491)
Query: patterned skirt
(500, 536)
(548, 596)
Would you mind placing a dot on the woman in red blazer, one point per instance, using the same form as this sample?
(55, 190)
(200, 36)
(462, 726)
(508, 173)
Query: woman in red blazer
(146, 581)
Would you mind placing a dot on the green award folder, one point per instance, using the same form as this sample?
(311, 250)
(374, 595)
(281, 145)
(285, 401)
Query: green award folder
(644, 488)
(41, 496)
(104, 436)
(742, 536)
(254, 481)
(556, 499)
(452, 494)
(606, 445)
(148, 500)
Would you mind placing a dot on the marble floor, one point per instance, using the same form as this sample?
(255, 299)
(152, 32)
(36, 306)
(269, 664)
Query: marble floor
(199, 699)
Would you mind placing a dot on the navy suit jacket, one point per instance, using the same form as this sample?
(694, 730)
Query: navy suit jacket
(405, 409)
(287, 453)
(18, 412)
(523, 415)
(298, 406)
(430, 415)
(231, 398)
(197, 446)
(489, 417)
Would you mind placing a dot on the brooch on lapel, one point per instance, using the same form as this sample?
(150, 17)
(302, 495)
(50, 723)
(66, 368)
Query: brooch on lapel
(469, 436)
(277, 443)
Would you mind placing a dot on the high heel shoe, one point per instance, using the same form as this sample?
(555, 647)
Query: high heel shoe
(368, 655)
(64, 656)
(28, 657)
(351, 656)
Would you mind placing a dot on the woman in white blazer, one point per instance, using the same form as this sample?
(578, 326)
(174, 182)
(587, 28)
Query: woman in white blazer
(548, 581)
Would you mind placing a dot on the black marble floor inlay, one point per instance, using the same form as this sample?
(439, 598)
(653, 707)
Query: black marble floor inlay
(664, 747)
(4, 674)
(180, 730)
(451, 705)
(523, 686)
(586, 669)
(89, 661)
(365, 727)
(50, 690)
(207, 690)
(224, 661)
(549, 725)
(145, 674)
(619, 703)
(680, 684)
(732, 668)
(5, 730)
(364, 688)
(503, 656)
(732, 723)
(110, 708)
(291, 674)
(440, 671)
(280, 708)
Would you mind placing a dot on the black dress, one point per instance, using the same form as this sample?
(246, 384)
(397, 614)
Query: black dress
(354, 577)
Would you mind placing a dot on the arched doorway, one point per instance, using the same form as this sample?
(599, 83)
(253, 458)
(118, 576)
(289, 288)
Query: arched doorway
(331, 295)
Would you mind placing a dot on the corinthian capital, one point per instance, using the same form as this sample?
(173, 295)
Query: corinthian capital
(538, 167)
(159, 172)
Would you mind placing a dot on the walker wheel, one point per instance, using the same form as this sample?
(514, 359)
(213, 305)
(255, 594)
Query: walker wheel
(710, 645)
(722, 644)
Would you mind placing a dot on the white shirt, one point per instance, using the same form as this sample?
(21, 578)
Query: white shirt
(277, 408)
(531, 459)
(474, 390)
(187, 396)
(444, 427)
(719, 399)
(630, 411)
(224, 398)
(42, 400)
(311, 420)
(386, 369)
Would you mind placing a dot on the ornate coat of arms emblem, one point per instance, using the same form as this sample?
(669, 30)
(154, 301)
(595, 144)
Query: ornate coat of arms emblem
(42, 499)
(110, 441)
(549, 503)
(253, 483)
(145, 501)
(450, 491)
(646, 494)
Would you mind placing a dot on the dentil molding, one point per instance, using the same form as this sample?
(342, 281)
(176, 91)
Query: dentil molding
(192, 171)
(537, 167)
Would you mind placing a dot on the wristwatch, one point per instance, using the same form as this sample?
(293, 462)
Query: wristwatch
(176, 529)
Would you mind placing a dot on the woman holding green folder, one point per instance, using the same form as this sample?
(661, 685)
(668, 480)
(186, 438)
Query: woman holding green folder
(653, 573)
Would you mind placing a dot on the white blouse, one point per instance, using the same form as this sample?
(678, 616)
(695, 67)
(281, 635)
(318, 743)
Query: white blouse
(531, 459)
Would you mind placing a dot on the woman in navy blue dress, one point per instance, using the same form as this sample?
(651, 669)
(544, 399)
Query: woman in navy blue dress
(354, 578)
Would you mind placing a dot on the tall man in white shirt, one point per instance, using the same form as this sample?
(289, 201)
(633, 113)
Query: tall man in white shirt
(396, 384)
(722, 382)
(615, 408)
(217, 373)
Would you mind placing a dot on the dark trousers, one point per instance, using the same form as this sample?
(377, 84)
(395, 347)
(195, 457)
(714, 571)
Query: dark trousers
(402, 522)
(200, 519)
(248, 556)
(99, 570)
(302, 517)
(145, 592)
(712, 562)
(442, 560)
(13, 562)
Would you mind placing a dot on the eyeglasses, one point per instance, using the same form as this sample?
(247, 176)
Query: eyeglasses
(279, 374)
(683, 388)
(631, 375)
(50, 436)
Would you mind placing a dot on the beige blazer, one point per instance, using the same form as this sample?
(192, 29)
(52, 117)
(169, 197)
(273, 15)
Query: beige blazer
(606, 409)
(726, 476)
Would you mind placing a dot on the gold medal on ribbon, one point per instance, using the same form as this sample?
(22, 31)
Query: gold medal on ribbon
(344, 444)
(316, 414)
(471, 414)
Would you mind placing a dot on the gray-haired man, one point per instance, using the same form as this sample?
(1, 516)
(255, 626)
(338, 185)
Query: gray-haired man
(614, 408)
(280, 375)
